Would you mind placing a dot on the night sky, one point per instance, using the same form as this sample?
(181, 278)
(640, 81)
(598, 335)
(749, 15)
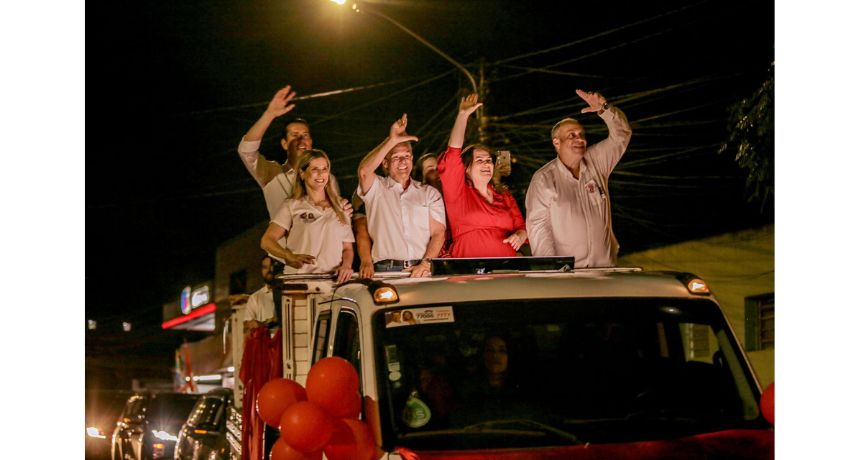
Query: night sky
(172, 86)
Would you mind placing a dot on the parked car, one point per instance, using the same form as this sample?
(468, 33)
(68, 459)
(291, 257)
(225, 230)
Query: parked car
(101, 412)
(203, 435)
(149, 424)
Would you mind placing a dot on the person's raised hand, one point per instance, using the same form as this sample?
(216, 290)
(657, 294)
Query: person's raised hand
(280, 103)
(594, 100)
(397, 133)
(469, 104)
(346, 206)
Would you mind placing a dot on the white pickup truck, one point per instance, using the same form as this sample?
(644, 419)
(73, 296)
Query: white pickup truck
(500, 358)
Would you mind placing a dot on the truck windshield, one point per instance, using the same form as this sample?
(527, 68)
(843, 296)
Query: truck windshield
(559, 372)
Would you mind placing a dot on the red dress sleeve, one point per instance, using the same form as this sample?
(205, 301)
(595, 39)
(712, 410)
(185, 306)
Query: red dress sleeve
(452, 173)
(516, 215)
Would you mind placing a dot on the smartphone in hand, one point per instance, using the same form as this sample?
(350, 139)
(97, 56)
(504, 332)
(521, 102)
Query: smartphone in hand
(503, 162)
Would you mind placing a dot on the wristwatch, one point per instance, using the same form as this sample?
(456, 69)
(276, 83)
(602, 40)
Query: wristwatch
(604, 108)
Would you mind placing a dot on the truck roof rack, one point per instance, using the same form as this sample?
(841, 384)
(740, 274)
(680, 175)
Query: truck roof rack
(448, 266)
(490, 265)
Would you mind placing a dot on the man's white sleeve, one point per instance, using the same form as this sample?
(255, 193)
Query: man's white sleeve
(261, 169)
(371, 192)
(538, 200)
(436, 205)
(249, 152)
(253, 309)
(284, 216)
(607, 153)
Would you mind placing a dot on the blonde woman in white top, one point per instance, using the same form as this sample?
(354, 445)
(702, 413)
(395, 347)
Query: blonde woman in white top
(318, 234)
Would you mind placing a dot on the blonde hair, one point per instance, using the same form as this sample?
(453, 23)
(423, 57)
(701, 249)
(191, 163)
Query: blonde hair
(300, 189)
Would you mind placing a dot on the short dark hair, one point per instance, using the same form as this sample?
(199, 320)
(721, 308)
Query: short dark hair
(292, 121)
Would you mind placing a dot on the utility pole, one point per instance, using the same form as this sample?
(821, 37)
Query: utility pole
(483, 136)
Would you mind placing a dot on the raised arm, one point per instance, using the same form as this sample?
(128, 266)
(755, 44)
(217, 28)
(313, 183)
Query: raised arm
(261, 169)
(279, 105)
(468, 105)
(371, 161)
(606, 153)
(450, 167)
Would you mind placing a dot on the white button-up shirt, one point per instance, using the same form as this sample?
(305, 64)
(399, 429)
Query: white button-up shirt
(260, 305)
(399, 220)
(567, 216)
(313, 231)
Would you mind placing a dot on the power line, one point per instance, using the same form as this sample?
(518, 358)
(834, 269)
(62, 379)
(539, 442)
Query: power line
(598, 35)
(251, 105)
(592, 54)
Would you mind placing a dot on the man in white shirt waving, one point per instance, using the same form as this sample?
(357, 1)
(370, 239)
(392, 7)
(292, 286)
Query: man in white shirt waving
(275, 179)
(405, 218)
(567, 204)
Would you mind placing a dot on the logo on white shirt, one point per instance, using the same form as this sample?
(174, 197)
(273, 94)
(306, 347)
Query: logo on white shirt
(308, 217)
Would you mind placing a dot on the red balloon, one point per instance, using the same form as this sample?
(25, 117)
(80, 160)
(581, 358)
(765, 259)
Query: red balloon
(351, 440)
(306, 427)
(351, 407)
(275, 397)
(768, 403)
(283, 451)
(332, 383)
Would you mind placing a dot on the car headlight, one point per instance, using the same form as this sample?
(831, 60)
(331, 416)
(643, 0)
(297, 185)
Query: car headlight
(164, 436)
(94, 432)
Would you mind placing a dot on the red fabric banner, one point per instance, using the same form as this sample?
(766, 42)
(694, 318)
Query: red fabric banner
(261, 362)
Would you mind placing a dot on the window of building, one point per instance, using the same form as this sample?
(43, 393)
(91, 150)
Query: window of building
(759, 319)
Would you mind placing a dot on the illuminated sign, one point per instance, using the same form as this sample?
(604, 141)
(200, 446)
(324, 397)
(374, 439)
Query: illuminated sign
(199, 297)
(197, 313)
(185, 300)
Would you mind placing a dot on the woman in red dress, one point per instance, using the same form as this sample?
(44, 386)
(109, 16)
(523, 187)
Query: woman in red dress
(484, 222)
